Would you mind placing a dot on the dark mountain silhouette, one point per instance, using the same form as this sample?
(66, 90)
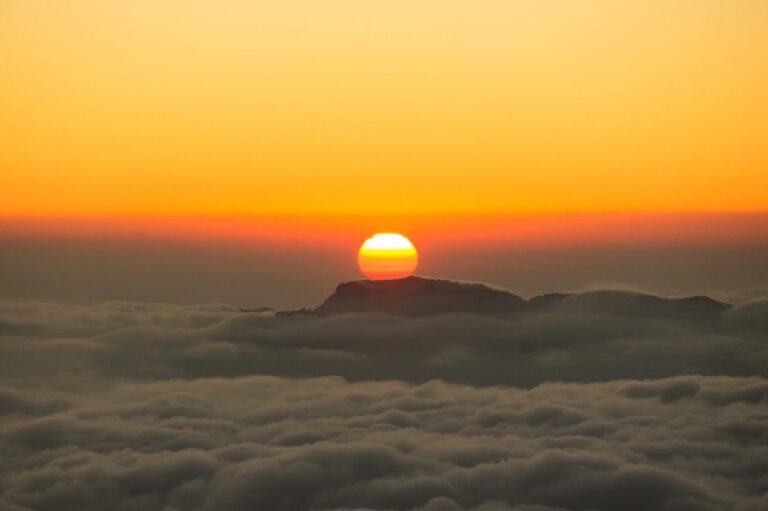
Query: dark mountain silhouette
(418, 296)
(634, 304)
(257, 310)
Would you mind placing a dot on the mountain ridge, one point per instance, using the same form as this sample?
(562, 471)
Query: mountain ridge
(420, 296)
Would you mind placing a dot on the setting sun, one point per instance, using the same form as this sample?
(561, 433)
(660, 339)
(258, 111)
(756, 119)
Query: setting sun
(387, 256)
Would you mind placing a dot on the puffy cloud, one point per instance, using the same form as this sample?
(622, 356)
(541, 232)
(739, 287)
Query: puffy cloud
(597, 336)
(223, 443)
(581, 406)
(13, 401)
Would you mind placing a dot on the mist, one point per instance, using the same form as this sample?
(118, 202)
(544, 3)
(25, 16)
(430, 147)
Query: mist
(287, 275)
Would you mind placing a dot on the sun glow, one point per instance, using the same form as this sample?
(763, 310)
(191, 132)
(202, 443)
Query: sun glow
(387, 256)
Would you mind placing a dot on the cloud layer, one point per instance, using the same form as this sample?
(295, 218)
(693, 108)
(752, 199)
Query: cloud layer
(139, 407)
(283, 444)
(591, 337)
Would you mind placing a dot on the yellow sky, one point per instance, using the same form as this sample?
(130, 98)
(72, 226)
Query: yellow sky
(397, 106)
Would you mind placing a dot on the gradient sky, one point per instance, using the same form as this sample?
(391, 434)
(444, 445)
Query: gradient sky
(398, 107)
(241, 151)
(280, 264)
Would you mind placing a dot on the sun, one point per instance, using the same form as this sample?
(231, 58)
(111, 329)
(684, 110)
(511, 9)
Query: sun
(387, 256)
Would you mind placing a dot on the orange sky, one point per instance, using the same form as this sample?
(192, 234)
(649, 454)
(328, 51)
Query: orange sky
(426, 231)
(347, 107)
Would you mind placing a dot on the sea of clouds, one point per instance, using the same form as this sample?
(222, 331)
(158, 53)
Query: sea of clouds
(125, 406)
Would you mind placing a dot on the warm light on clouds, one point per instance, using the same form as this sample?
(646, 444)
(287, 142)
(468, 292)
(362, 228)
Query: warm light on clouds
(344, 107)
